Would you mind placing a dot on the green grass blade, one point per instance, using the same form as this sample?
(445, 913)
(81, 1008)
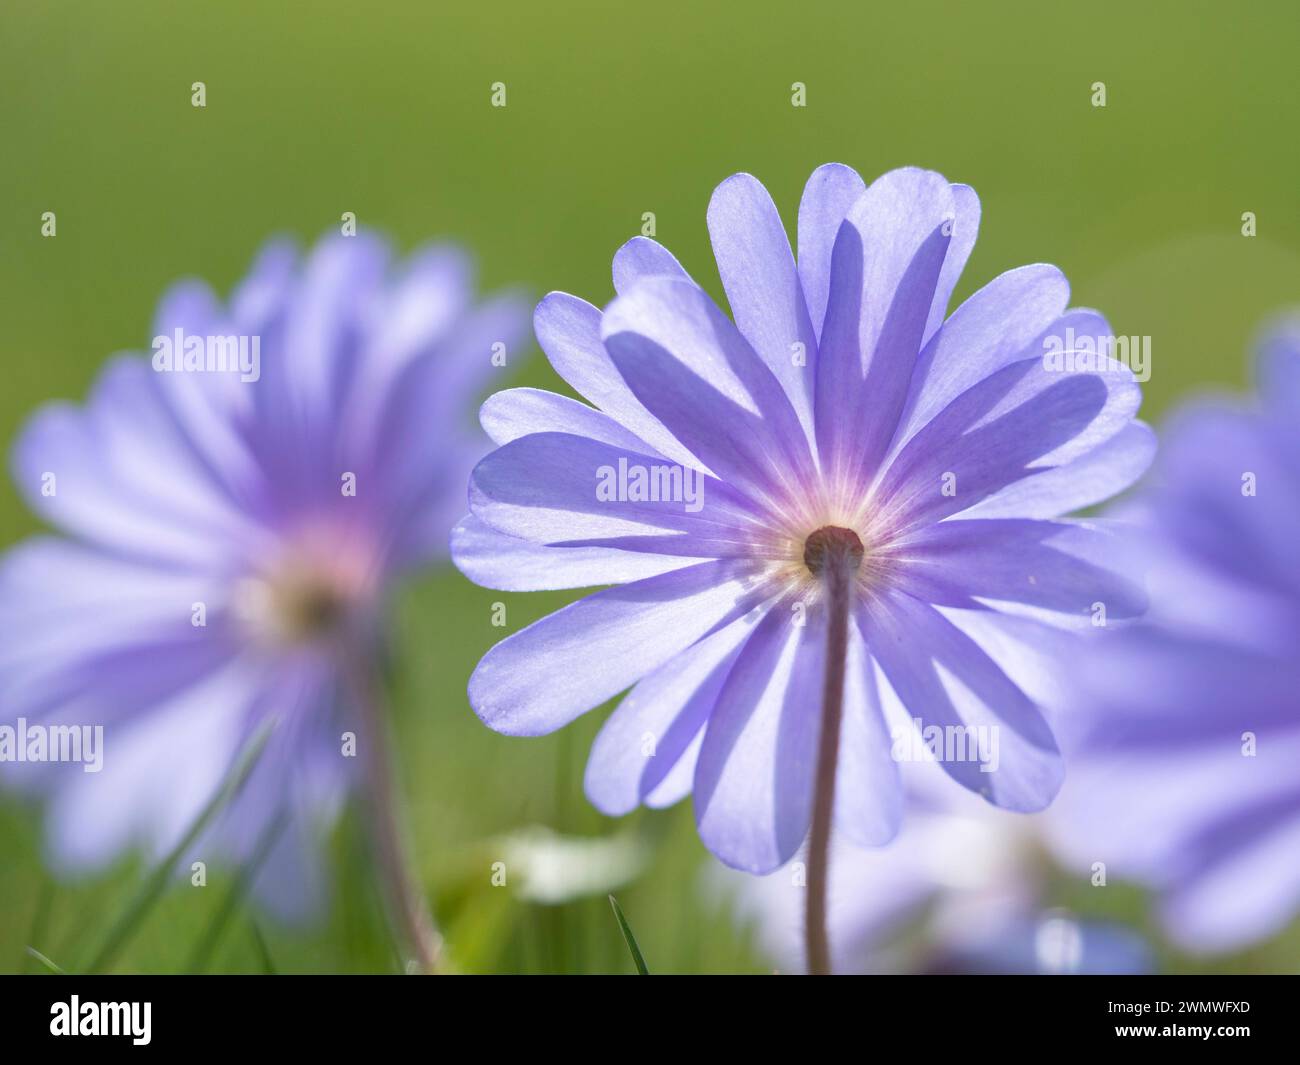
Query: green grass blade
(235, 897)
(155, 884)
(33, 952)
(40, 920)
(626, 929)
(268, 966)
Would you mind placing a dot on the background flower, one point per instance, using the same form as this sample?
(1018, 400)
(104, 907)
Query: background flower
(962, 889)
(840, 400)
(1187, 726)
(230, 545)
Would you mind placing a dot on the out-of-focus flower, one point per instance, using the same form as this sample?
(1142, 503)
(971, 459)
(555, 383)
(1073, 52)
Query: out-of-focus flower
(723, 464)
(551, 869)
(235, 510)
(961, 889)
(1186, 727)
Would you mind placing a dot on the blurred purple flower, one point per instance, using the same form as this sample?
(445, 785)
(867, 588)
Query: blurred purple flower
(962, 889)
(231, 539)
(715, 451)
(1187, 727)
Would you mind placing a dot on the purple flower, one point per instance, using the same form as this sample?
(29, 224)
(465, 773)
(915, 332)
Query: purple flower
(724, 468)
(1187, 728)
(963, 888)
(236, 509)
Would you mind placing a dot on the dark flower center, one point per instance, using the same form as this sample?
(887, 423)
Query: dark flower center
(832, 545)
(300, 602)
(309, 608)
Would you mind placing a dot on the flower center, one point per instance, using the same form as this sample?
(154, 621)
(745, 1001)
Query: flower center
(307, 605)
(311, 592)
(832, 546)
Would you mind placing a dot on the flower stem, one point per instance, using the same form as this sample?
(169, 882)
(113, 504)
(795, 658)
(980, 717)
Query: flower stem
(412, 922)
(836, 563)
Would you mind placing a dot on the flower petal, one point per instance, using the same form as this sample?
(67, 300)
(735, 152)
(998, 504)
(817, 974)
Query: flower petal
(558, 668)
(997, 325)
(1251, 888)
(650, 731)
(408, 322)
(435, 389)
(464, 363)
(885, 266)
(301, 389)
(679, 781)
(1058, 566)
(642, 257)
(1163, 692)
(965, 229)
(494, 560)
(1220, 854)
(1230, 496)
(209, 406)
(81, 469)
(554, 487)
(1104, 472)
(758, 274)
(516, 412)
(686, 362)
(568, 330)
(1277, 368)
(988, 438)
(56, 650)
(434, 290)
(946, 681)
(827, 197)
(868, 784)
(1092, 333)
(157, 774)
(754, 779)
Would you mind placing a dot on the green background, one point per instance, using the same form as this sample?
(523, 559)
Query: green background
(613, 110)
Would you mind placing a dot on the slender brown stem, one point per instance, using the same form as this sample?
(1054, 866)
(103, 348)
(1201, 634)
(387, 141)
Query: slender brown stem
(413, 924)
(836, 563)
